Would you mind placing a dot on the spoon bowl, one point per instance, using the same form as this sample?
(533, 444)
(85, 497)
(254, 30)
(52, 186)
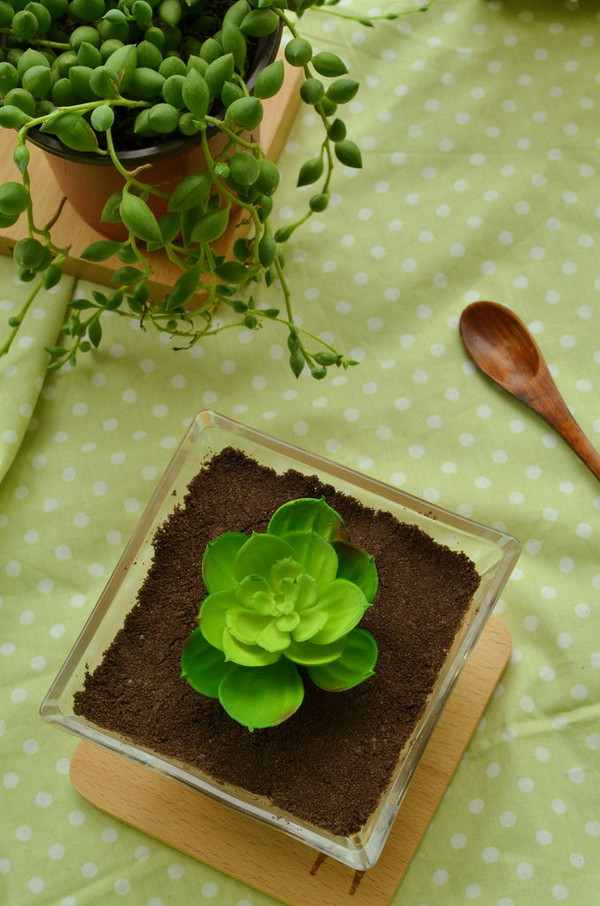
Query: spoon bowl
(503, 348)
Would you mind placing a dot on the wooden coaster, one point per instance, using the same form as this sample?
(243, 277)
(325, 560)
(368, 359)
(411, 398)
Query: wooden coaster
(71, 230)
(267, 860)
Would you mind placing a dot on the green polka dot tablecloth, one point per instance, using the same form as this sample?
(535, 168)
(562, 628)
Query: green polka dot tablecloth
(478, 122)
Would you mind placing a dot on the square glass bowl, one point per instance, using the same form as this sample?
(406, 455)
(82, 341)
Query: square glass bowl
(493, 552)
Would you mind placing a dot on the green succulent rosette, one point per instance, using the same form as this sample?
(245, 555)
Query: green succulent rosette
(291, 597)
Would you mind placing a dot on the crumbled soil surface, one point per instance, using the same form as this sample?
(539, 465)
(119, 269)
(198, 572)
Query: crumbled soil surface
(330, 762)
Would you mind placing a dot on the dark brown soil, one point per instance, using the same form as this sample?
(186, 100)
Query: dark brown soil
(329, 763)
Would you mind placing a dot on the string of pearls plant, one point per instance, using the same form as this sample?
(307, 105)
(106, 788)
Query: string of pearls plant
(81, 69)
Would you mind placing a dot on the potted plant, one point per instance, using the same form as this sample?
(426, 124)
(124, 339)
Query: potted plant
(103, 81)
(282, 633)
(278, 601)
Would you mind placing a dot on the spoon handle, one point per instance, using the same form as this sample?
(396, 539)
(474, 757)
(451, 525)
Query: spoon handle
(543, 397)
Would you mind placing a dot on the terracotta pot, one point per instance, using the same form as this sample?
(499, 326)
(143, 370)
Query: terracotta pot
(88, 180)
(89, 184)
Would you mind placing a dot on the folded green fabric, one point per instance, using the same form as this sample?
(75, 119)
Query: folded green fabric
(23, 368)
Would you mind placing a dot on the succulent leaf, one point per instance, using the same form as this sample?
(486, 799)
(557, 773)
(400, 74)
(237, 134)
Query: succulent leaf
(291, 596)
(311, 622)
(303, 591)
(310, 653)
(308, 514)
(212, 616)
(262, 698)
(217, 563)
(356, 565)
(284, 571)
(247, 655)
(355, 664)
(202, 665)
(344, 603)
(246, 625)
(259, 553)
(256, 593)
(315, 555)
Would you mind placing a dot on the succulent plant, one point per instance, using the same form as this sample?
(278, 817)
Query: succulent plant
(281, 605)
(88, 71)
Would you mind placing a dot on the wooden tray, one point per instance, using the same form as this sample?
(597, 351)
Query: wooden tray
(262, 857)
(70, 229)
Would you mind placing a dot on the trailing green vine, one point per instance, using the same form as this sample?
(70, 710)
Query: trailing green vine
(83, 70)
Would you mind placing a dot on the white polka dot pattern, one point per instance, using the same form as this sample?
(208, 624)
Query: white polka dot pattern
(478, 126)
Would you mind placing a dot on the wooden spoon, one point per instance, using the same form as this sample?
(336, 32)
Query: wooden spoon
(500, 344)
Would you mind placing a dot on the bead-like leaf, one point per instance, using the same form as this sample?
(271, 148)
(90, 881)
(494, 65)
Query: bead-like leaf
(184, 288)
(234, 43)
(211, 226)
(312, 90)
(100, 250)
(29, 253)
(145, 84)
(348, 153)
(110, 211)
(298, 51)
(259, 23)
(329, 64)
(138, 218)
(170, 225)
(232, 272)
(12, 117)
(95, 333)
(126, 276)
(296, 360)
(267, 250)
(9, 76)
(270, 80)
(310, 171)
(122, 62)
(244, 168)
(104, 82)
(218, 72)
(196, 94)
(73, 131)
(246, 112)
(342, 90)
(14, 198)
(102, 118)
(268, 178)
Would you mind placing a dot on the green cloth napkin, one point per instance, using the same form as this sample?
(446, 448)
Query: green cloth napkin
(22, 368)
(478, 123)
